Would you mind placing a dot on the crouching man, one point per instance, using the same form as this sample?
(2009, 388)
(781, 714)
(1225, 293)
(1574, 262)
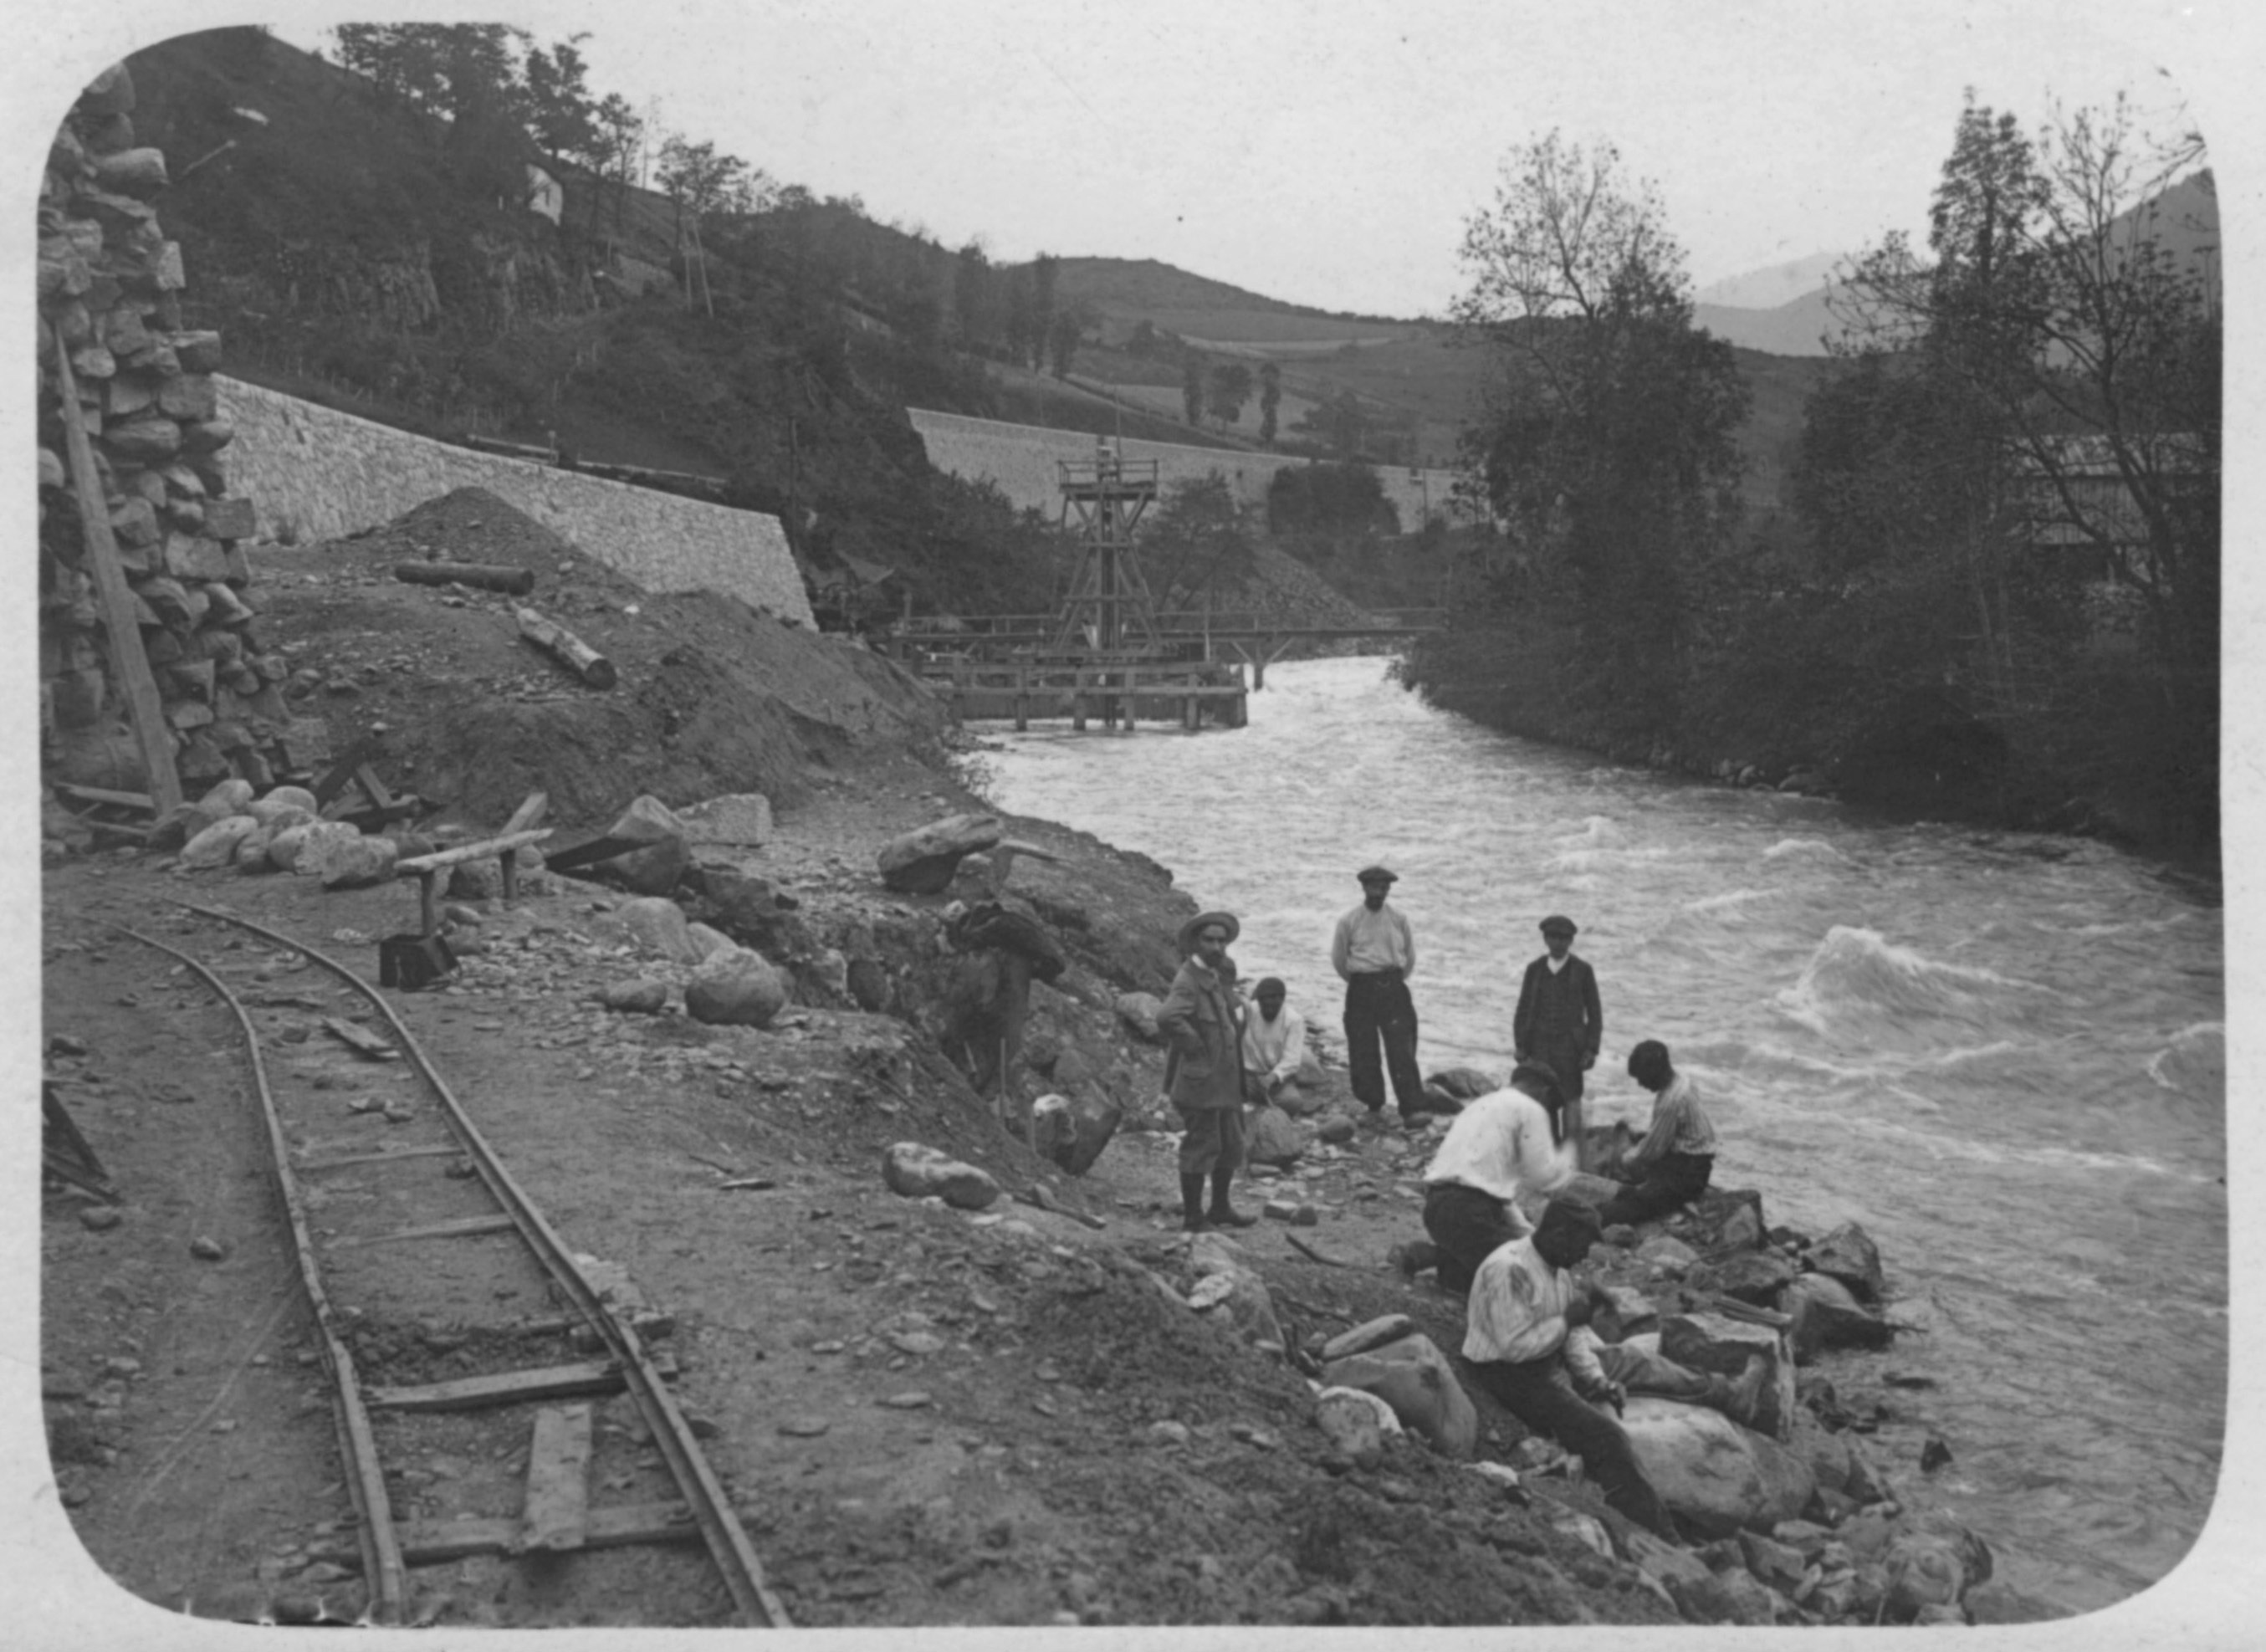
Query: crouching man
(1530, 1348)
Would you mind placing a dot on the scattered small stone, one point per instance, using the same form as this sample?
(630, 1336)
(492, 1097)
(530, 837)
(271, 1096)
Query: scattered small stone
(205, 1249)
(64, 1044)
(100, 1217)
(1935, 1455)
(1170, 1433)
(828, 1347)
(911, 1400)
(226, 1425)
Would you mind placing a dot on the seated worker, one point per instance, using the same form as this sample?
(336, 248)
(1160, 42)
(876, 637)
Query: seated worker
(1273, 1043)
(1670, 1168)
(1504, 1142)
(1530, 1349)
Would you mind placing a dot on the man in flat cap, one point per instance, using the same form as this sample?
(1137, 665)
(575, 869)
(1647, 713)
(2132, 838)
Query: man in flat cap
(1375, 953)
(1202, 1021)
(1273, 1043)
(1558, 1023)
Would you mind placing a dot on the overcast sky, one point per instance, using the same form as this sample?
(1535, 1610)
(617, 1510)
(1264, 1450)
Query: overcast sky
(1328, 151)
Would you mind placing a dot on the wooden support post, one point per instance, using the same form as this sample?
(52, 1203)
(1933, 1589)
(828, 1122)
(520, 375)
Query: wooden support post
(128, 660)
(1190, 717)
(508, 861)
(1130, 681)
(1022, 699)
(556, 1511)
(1078, 702)
(428, 903)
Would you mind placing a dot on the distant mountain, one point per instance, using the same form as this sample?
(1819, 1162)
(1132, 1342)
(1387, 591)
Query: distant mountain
(1768, 289)
(1798, 327)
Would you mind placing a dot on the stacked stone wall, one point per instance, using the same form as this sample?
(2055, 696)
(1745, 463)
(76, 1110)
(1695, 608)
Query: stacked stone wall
(322, 474)
(109, 287)
(1019, 461)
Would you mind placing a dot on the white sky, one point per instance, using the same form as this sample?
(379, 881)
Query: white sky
(1328, 151)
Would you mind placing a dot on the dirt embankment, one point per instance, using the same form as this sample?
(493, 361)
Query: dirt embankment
(924, 1416)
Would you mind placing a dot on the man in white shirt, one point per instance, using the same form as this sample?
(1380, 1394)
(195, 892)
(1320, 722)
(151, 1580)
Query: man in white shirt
(1506, 1143)
(1530, 1348)
(1374, 951)
(1273, 1043)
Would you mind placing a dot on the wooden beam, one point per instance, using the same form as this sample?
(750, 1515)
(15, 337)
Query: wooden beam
(308, 1166)
(362, 1043)
(339, 774)
(528, 815)
(480, 850)
(436, 1542)
(463, 1227)
(99, 794)
(593, 668)
(555, 1514)
(128, 659)
(504, 1388)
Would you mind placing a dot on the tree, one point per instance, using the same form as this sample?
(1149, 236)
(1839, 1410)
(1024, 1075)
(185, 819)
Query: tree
(1066, 333)
(449, 70)
(701, 180)
(1271, 398)
(1046, 272)
(562, 116)
(1606, 435)
(1196, 542)
(1192, 386)
(1229, 389)
(974, 300)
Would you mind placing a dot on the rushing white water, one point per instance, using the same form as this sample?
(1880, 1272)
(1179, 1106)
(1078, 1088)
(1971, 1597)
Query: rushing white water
(2002, 1055)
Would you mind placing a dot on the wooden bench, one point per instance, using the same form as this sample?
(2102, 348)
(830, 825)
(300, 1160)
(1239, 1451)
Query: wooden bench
(428, 869)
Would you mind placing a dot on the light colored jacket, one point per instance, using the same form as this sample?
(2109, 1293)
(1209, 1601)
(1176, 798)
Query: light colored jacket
(1202, 1022)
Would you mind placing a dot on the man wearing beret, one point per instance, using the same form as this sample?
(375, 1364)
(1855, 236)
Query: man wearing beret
(1558, 1023)
(1202, 1022)
(1375, 953)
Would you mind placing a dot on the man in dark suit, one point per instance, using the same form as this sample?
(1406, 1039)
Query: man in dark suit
(1559, 1022)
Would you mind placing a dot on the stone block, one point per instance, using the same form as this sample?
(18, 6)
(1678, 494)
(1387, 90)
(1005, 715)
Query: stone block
(916, 1171)
(1716, 1342)
(1413, 1376)
(1711, 1472)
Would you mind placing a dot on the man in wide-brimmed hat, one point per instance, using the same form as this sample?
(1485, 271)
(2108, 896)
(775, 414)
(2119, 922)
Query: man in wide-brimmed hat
(1202, 1021)
(1559, 1022)
(1375, 953)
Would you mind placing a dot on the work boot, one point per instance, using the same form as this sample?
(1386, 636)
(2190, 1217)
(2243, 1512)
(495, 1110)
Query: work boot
(1412, 1257)
(1742, 1395)
(1192, 1210)
(1223, 1214)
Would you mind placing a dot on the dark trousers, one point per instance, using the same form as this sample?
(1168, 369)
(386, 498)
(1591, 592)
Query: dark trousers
(1540, 1393)
(1669, 1185)
(1378, 1007)
(1467, 1224)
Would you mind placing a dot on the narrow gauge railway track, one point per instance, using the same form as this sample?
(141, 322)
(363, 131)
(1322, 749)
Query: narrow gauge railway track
(433, 1185)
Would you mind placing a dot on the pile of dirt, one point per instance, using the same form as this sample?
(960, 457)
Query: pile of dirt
(713, 697)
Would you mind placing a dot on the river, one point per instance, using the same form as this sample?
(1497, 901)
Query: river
(2003, 1056)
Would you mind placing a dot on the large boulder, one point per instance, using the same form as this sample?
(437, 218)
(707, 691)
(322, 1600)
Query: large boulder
(657, 923)
(918, 1171)
(1848, 1254)
(742, 819)
(1413, 1376)
(922, 861)
(1933, 1567)
(1755, 1276)
(1247, 1302)
(1719, 1343)
(1825, 1453)
(1724, 1220)
(283, 848)
(1355, 1423)
(339, 856)
(1711, 1472)
(734, 988)
(1824, 1315)
(1138, 1011)
(655, 868)
(216, 845)
(1463, 1084)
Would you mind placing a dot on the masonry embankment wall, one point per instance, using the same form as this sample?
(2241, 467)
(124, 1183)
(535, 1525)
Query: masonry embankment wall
(1019, 461)
(322, 474)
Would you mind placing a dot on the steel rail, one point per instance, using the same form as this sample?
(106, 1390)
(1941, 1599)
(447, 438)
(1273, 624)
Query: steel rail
(383, 1566)
(719, 1527)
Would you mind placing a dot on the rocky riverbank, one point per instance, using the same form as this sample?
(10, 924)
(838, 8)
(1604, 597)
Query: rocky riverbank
(1022, 1397)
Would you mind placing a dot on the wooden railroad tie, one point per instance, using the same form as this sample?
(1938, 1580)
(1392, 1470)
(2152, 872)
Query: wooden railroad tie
(463, 1227)
(555, 1514)
(515, 1387)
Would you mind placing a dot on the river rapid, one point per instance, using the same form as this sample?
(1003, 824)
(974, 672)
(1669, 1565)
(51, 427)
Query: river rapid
(2002, 1055)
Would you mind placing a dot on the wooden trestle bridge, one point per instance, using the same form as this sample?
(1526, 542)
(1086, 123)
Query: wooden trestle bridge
(1108, 653)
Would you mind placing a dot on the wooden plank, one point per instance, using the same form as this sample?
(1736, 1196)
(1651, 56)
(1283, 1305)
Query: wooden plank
(528, 815)
(504, 1388)
(361, 1042)
(555, 1513)
(103, 794)
(462, 852)
(438, 1542)
(464, 1227)
(372, 787)
(306, 1165)
(336, 778)
(128, 661)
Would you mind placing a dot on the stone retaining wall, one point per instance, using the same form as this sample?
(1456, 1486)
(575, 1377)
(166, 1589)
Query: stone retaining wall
(1019, 461)
(321, 474)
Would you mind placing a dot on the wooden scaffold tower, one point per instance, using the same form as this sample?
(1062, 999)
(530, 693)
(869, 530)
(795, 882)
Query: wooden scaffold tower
(1109, 612)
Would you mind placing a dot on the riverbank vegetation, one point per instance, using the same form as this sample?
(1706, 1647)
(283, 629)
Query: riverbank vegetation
(1998, 594)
